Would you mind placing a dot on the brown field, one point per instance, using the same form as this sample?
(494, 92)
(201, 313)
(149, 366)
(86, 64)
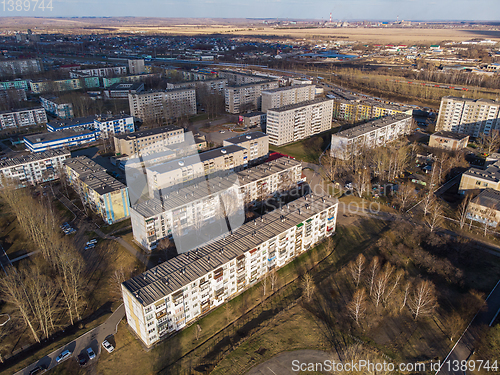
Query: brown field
(242, 27)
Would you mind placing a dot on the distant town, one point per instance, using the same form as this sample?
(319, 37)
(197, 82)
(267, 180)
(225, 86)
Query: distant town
(235, 201)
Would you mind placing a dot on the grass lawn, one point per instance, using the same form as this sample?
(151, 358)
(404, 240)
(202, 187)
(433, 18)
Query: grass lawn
(116, 226)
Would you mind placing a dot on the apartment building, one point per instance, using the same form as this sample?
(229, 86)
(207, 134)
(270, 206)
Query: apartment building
(19, 67)
(200, 203)
(359, 110)
(371, 134)
(102, 193)
(480, 179)
(108, 126)
(288, 95)
(33, 169)
(298, 121)
(468, 116)
(448, 140)
(136, 66)
(256, 143)
(160, 105)
(237, 78)
(12, 97)
(186, 169)
(110, 71)
(109, 81)
(197, 75)
(485, 208)
(61, 139)
(121, 90)
(212, 84)
(248, 96)
(175, 293)
(253, 120)
(41, 87)
(22, 117)
(74, 124)
(148, 141)
(57, 107)
(16, 84)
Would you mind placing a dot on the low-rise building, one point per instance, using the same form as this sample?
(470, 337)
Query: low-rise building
(40, 87)
(109, 126)
(22, 117)
(16, 84)
(99, 72)
(448, 140)
(213, 84)
(237, 78)
(298, 121)
(485, 208)
(11, 98)
(33, 169)
(154, 219)
(253, 120)
(175, 293)
(74, 124)
(371, 134)
(479, 179)
(148, 141)
(121, 90)
(57, 107)
(102, 193)
(256, 143)
(61, 139)
(19, 67)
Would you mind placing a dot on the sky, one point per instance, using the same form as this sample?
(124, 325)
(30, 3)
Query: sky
(479, 10)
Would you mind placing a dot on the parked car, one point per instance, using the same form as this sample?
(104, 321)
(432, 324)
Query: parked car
(106, 345)
(91, 353)
(94, 241)
(89, 246)
(38, 370)
(64, 355)
(82, 359)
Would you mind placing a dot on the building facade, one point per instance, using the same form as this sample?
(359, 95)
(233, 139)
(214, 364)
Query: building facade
(148, 141)
(253, 120)
(468, 116)
(33, 169)
(359, 110)
(22, 117)
(371, 134)
(448, 140)
(110, 71)
(61, 139)
(19, 67)
(248, 96)
(108, 126)
(56, 107)
(155, 219)
(175, 293)
(136, 66)
(485, 208)
(288, 95)
(121, 90)
(213, 84)
(41, 87)
(480, 179)
(298, 121)
(16, 84)
(160, 105)
(102, 193)
(256, 143)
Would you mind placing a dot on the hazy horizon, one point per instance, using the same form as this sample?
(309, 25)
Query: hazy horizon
(352, 10)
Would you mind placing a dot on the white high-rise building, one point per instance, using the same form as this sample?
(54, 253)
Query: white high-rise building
(468, 116)
(286, 96)
(298, 121)
(136, 66)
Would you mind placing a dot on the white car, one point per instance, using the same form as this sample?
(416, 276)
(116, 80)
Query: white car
(106, 345)
(91, 353)
(64, 355)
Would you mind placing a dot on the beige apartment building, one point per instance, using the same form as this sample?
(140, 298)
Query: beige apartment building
(475, 178)
(468, 116)
(257, 144)
(148, 141)
(298, 121)
(237, 78)
(136, 66)
(213, 84)
(184, 170)
(283, 96)
(159, 105)
(485, 208)
(448, 140)
(248, 96)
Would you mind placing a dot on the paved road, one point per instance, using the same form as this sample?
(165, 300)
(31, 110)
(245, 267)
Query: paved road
(93, 339)
(282, 363)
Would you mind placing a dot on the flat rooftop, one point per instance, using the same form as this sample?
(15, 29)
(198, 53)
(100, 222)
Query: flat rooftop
(300, 105)
(246, 137)
(125, 86)
(460, 99)
(147, 132)
(21, 110)
(180, 271)
(287, 88)
(173, 197)
(84, 165)
(492, 173)
(449, 135)
(52, 136)
(29, 158)
(87, 120)
(488, 198)
(263, 82)
(371, 126)
(253, 114)
(102, 182)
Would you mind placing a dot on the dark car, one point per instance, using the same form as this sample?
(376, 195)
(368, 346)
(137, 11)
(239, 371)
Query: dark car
(38, 370)
(82, 359)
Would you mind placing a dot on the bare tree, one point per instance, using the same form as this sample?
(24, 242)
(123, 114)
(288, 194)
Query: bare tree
(489, 143)
(405, 195)
(273, 278)
(357, 307)
(394, 283)
(406, 290)
(356, 268)
(308, 286)
(361, 181)
(381, 282)
(463, 209)
(117, 278)
(435, 215)
(373, 269)
(422, 300)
